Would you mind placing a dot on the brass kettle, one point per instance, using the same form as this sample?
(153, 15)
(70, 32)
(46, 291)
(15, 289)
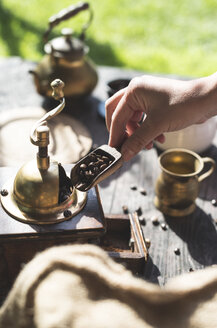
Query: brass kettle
(66, 58)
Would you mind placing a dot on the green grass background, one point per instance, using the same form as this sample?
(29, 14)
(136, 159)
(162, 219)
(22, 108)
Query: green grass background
(156, 36)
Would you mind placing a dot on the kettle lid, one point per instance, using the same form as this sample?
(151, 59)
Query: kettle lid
(66, 46)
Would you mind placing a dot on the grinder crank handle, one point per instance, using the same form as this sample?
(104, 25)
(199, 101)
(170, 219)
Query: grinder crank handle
(57, 86)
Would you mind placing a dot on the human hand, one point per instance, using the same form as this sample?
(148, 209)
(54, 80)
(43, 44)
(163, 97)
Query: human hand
(167, 105)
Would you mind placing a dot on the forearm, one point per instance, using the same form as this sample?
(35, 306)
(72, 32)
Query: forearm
(192, 102)
(210, 90)
(204, 96)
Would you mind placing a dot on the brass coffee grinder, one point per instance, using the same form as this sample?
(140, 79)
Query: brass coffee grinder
(41, 191)
(40, 207)
(66, 58)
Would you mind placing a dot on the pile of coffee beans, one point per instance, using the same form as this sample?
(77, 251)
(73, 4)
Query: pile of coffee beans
(92, 166)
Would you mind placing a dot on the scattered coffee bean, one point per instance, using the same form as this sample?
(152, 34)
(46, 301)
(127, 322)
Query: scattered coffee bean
(148, 242)
(143, 192)
(133, 187)
(139, 211)
(155, 221)
(177, 251)
(164, 226)
(125, 209)
(214, 202)
(142, 220)
(191, 270)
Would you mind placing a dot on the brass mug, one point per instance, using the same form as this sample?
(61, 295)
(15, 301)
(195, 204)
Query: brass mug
(177, 186)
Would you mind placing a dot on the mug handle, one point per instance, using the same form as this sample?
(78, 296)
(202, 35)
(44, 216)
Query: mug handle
(212, 168)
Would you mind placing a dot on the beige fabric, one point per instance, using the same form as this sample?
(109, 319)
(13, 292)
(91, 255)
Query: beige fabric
(80, 286)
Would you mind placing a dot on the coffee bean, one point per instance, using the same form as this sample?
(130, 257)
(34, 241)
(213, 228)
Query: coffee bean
(81, 173)
(125, 209)
(87, 174)
(98, 157)
(103, 167)
(148, 242)
(155, 221)
(96, 170)
(93, 157)
(142, 220)
(139, 211)
(177, 251)
(83, 166)
(164, 226)
(105, 159)
(100, 162)
(143, 192)
(92, 164)
(133, 187)
(191, 270)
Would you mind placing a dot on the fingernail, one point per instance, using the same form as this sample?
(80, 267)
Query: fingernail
(128, 155)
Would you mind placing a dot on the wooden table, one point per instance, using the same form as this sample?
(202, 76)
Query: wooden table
(195, 235)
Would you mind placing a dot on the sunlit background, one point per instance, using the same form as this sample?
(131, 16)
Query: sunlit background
(157, 36)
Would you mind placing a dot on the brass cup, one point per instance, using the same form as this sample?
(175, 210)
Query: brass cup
(177, 186)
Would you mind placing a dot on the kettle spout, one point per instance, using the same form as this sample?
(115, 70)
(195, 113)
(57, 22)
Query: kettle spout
(41, 86)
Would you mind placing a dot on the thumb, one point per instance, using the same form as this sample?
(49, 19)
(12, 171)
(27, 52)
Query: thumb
(142, 136)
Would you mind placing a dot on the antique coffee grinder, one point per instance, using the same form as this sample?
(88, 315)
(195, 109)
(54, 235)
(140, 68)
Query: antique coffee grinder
(66, 58)
(41, 191)
(40, 207)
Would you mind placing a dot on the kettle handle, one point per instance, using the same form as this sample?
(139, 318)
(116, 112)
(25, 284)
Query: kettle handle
(66, 14)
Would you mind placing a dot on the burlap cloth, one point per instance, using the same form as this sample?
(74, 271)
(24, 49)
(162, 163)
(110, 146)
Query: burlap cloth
(80, 286)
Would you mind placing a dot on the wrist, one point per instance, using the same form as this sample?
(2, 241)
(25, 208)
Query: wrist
(206, 89)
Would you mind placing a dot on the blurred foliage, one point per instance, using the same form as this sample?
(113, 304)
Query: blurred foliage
(157, 36)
